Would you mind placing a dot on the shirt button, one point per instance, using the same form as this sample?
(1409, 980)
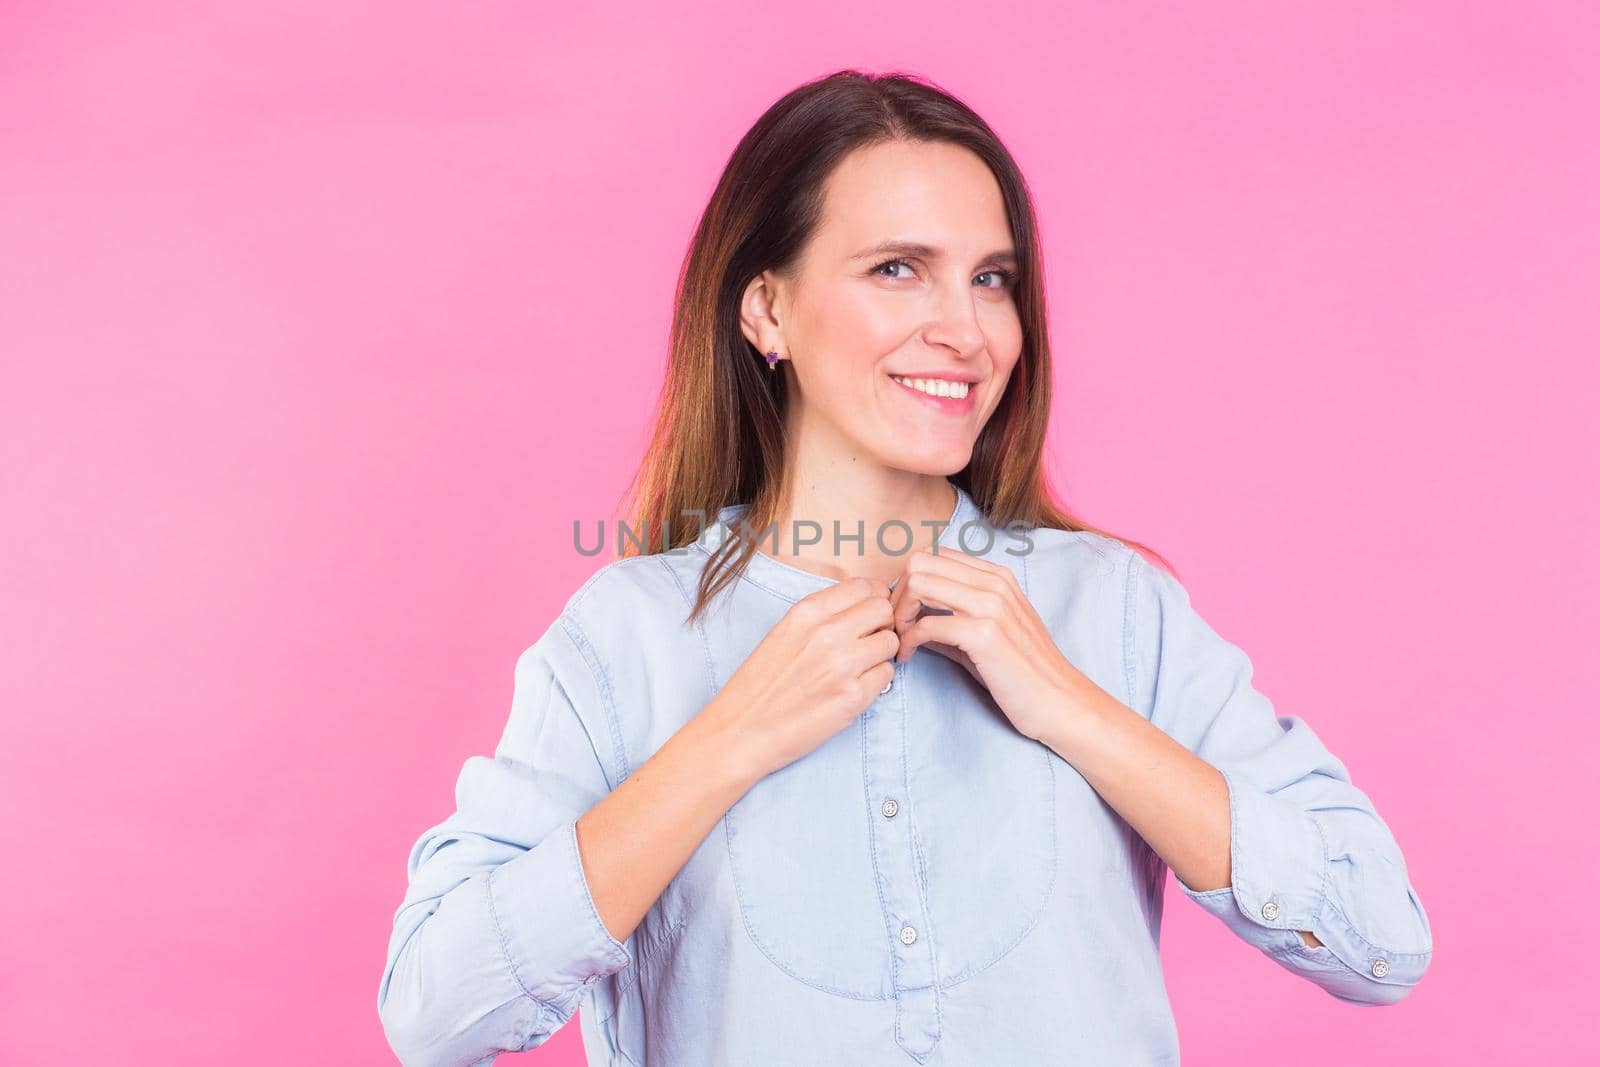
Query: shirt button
(1269, 910)
(908, 934)
(1380, 967)
(591, 979)
(887, 686)
(890, 806)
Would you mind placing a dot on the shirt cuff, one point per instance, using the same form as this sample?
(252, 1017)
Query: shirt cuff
(1280, 886)
(547, 922)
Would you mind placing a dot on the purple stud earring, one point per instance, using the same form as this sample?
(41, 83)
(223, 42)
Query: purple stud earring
(772, 361)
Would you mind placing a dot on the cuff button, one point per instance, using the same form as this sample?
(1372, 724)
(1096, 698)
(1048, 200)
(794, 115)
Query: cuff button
(1269, 910)
(1380, 967)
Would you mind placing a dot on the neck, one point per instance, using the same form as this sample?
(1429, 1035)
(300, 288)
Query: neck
(861, 497)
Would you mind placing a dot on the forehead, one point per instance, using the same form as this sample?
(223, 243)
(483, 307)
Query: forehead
(937, 193)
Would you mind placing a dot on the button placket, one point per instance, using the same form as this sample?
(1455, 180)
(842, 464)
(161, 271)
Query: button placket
(895, 859)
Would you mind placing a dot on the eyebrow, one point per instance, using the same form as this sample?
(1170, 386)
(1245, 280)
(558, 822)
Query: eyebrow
(914, 248)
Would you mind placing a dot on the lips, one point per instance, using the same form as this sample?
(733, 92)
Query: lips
(953, 388)
(946, 396)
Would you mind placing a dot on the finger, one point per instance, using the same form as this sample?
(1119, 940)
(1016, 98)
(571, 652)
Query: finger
(866, 615)
(862, 653)
(950, 652)
(842, 594)
(862, 587)
(926, 588)
(903, 604)
(877, 676)
(967, 567)
(897, 593)
(949, 630)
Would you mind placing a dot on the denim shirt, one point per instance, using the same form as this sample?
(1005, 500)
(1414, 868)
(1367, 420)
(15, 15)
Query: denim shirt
(928, 886)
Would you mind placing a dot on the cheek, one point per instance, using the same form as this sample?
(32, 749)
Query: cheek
(849, 331)
(1004, 332)
(1005, 349)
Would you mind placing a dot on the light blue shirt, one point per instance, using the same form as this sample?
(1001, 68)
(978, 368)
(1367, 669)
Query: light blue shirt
(928, 886)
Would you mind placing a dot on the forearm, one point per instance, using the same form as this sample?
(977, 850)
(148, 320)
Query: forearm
(1174, 800)
(637, 838)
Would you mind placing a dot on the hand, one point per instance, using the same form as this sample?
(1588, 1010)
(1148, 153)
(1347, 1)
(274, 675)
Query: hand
(812, 674)
(992, 630)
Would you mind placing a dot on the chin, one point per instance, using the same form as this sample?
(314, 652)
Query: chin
(942, 465)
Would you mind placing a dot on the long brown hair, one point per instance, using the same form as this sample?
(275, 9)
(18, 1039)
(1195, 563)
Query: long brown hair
(718, 436)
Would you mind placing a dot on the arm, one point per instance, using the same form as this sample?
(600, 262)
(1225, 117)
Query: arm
(531, 889)
(1295, 859)
(1176, 801)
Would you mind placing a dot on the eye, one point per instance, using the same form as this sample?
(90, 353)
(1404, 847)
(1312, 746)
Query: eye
(1007, 279)
(890, 263)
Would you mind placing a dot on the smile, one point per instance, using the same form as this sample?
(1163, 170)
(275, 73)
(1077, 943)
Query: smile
(935, 386)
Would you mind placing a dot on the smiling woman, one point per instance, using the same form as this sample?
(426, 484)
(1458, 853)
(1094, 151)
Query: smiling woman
(899, 348)
(911, 791)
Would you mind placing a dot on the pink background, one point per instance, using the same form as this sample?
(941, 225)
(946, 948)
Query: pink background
(319, 327)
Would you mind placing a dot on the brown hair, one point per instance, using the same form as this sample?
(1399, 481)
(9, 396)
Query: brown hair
(718, 436)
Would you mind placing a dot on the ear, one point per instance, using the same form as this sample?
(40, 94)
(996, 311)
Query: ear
(758, 307)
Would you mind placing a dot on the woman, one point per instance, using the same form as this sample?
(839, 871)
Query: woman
(890, 762)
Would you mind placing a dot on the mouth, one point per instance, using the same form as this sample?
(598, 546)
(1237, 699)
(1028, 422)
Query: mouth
(943, 394)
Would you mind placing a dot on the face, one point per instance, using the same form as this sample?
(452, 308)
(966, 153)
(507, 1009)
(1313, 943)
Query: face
(900, 321)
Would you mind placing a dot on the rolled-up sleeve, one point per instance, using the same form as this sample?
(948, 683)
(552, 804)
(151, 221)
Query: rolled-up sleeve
(1308, 849)
(497, 938)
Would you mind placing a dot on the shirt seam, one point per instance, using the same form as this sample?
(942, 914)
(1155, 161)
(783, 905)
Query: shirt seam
(1024, 560)
(602, 682)
(505, 946)
(1129, 619)
(745, 576)
(699, 627)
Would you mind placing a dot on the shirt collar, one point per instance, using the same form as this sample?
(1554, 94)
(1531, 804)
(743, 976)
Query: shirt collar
(792, 583)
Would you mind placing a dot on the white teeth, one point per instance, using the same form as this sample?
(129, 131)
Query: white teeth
(935, 386)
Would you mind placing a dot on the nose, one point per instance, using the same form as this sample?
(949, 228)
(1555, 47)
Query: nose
(955, 323)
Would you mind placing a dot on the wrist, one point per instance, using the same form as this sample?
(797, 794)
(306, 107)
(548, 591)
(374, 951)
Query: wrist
(728, 750)
(1083, 711)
